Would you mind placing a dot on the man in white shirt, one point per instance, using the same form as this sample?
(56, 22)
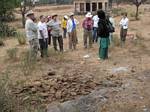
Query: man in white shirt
(71, 29)
(43, 36)
(95, 26)
(124, 28)
(32, 33)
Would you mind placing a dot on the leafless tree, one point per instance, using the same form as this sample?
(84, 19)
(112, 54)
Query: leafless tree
(25, 6)
(137, 4)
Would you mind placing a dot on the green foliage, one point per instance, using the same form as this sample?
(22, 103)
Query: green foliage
(21, 38)
(12, 53)
(6, 8)
(6, 31)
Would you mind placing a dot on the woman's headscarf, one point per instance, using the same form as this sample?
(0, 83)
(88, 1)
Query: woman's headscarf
(101, 14)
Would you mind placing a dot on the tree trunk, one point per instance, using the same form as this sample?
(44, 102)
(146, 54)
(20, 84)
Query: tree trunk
(23, 20)
(137, 12)
(110, 4)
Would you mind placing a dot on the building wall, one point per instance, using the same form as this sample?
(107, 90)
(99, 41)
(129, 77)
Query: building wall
(83, 6)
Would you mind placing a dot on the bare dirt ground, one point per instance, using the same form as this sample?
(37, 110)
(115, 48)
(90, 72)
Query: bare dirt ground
(63, 77)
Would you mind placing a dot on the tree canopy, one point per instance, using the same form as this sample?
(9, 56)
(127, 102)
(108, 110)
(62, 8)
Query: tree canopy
(6, 8)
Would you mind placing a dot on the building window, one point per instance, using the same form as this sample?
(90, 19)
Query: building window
(82, 7)
(100, 6)
(88, 7)
(106, 5)
(94, 6)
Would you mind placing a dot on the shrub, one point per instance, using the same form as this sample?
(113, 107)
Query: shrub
(21, 38)
(6, 31)
(12, 53)
(1, 42)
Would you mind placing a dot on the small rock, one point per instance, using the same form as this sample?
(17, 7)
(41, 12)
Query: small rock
(58, 94)
(37, 83)
(73, 93)
(68, 107)
(51, 73)
(53, 109)
(26, 98)
(33, 90)
(44, 94)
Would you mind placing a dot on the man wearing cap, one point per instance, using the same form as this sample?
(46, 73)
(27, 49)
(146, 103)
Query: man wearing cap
(88, 27)
(71, 29)
(56, 32)
(43, 36)
(64, 25)
(32, 33)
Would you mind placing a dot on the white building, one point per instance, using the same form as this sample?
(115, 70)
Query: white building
(83, 6)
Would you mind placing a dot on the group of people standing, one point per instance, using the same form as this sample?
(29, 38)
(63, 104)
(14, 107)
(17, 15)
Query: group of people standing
(50, 28)
(94, 28)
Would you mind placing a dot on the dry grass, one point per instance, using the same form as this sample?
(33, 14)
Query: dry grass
(97, 68)
(1, 42)
(28, 63)
(12, 53)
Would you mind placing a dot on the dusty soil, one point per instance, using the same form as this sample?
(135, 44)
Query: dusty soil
(63, 77)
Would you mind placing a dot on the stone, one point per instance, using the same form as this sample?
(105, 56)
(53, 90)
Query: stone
(58, 94)
(37, 83)
(68, 106)
(45, 95)
(73, 93)
(53, 109)
(33, 90)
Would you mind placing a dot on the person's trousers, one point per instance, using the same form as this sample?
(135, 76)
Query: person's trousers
(64, 32)
(60, 42)
(34, 47)
(103, 47)
(95, 37)
(43, 47)
(103, 53)
(123, 34)
(87, 36)
(73, 39)
(49, 38)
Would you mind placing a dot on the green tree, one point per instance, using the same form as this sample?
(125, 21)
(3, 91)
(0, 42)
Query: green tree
(6, 9)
